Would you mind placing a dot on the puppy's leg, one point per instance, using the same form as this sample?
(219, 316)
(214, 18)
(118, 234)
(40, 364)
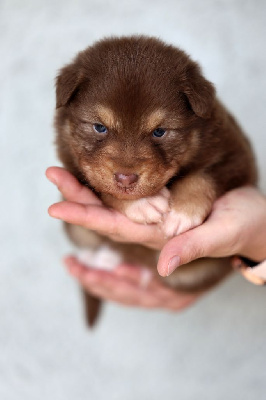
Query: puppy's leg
(191, 202)
(84, 238)
(103, 257)
(92, 308)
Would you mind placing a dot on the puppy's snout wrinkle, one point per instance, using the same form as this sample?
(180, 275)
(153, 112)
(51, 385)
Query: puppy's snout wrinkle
(125, 180)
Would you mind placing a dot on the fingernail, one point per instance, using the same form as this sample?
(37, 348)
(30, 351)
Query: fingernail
(173, 264)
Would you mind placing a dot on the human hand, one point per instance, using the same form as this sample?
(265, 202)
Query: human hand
(129, 285)
(236, 225)
(83, 207)
(126, 284)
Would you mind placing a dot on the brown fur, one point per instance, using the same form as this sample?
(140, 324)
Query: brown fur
(134, 85)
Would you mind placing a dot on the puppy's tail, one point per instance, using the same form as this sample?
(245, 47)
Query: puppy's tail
(92, 308)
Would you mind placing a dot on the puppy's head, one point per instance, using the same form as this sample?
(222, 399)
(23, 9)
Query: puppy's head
(130, 112)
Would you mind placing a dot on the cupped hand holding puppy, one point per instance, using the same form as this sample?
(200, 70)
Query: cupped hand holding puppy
(237, 225)
(130, 285)
(83, 207)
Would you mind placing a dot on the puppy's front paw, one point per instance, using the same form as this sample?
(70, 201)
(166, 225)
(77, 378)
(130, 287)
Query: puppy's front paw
(176, 222)
(148, 210)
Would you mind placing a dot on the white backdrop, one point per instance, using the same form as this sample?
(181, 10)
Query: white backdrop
(216, 349)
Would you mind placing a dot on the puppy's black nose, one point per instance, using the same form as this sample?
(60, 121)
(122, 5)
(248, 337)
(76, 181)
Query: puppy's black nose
(125, 180)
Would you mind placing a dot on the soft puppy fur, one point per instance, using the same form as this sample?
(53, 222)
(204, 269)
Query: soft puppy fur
(138, 123)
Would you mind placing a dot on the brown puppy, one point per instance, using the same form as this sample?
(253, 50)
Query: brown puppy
(137, 122)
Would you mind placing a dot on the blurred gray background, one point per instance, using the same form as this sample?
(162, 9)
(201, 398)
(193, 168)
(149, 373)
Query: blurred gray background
(214, 350)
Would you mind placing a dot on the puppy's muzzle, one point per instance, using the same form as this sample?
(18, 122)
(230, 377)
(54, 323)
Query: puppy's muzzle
(126, 180)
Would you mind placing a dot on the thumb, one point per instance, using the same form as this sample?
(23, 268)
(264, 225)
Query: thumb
(203, 241)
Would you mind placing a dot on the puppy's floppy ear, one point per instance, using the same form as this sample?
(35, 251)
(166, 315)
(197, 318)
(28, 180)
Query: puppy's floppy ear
(67, 83)
(199, 91)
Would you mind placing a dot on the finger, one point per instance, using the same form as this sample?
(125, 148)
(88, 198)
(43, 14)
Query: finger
(139, 275)
(94, 217)
(181, 302)
(154, 284)
(89, 278)
(124, 293)
(70, 187)
(214, 238)
(109, 287)
(103, 220)
(166, 297)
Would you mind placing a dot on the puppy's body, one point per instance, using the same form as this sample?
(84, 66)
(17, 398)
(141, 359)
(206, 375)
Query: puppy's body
(138, 123)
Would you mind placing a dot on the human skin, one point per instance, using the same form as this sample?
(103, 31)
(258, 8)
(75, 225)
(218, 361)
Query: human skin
(236, 225)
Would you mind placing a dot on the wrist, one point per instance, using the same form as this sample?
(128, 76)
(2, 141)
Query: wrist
(254, 247)
(256, 254)
(251, 270)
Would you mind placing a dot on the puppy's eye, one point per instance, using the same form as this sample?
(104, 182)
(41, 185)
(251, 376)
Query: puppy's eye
(99, 128)
(159, 132)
